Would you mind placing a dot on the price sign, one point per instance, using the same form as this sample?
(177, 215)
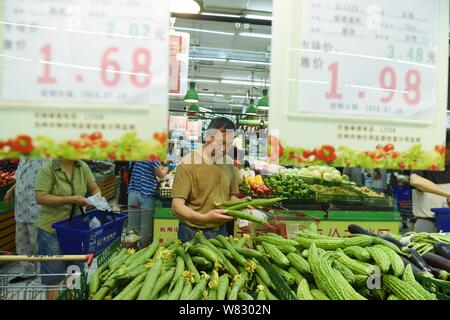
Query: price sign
(396, 49)
(178, 123)
(370, 77)
(72, 68)
(178, 62)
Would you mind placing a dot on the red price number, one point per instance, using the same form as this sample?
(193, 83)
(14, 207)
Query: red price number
(387, 82)
(110, 70)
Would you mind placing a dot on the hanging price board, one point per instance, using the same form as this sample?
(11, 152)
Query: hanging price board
(179, 62)
(370, 77)
(72, 68)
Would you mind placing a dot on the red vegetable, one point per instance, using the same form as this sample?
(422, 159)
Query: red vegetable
(22, 144)
(388, 147)
(327, 154)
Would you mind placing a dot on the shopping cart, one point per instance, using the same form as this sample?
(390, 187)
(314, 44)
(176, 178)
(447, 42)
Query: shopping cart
(130, 235)
(73, 287)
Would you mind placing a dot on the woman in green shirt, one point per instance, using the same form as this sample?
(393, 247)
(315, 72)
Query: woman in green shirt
(61, 186)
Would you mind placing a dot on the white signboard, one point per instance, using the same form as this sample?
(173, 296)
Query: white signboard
(179, 62)
(370, 77)
(80, 66)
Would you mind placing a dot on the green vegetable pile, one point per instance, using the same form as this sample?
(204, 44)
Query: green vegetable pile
(289, 186)
(309, 267)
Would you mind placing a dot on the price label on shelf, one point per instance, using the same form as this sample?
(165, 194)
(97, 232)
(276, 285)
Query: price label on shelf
(390, 73)
(74, 68)
(369, 77)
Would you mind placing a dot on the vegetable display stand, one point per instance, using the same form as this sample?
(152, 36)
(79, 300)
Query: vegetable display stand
(76, 237)
(333, 223)
(439, 287)
(165, 225)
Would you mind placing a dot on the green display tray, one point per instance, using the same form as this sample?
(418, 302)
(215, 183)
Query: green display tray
(342, 215)
(6, 206)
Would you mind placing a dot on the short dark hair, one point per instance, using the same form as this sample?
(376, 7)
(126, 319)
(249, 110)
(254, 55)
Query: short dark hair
(221, 123)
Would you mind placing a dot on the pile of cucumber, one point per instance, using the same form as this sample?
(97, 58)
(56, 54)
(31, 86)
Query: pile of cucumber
(311, 266)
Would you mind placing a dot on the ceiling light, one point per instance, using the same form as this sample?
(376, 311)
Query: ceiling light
(193, 108)
(192, 95)
(241, 97)
(207, 81)
(206, 31)
(250, 62)
(184, 6)
(208, 59)
(205, 109)
(258, 17)
(256, 35)
(206, 94)
(251, 109)
(263, 103)
(243, 83)
(220, 15)
(235, 105)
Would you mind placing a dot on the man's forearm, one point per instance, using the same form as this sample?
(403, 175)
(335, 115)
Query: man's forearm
(54, 201)
(425, 185)
(184, 212)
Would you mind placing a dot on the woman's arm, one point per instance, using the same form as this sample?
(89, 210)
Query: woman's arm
(426, 185)
(44, 198)
(93, 188)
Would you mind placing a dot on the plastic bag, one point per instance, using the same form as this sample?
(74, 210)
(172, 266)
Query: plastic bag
(99, 202)
(94, 223)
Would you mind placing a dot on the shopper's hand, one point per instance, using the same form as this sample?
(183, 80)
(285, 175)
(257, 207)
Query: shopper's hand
(216, 216)
(79, 201)
(9, 195)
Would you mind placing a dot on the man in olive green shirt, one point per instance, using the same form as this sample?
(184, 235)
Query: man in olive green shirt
(204, 177)
(61, 186)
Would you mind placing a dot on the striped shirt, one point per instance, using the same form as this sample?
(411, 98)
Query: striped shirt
(143, 178)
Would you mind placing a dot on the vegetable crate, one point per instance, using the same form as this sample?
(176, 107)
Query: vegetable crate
(440, 287)
(442, 216)
(76, 237)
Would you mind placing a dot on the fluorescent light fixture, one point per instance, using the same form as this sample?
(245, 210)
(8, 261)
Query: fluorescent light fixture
(235, 105)
(220, 15)
(239, 97)
(184, 6)
(175, 95)
(206, 94)
(206, 81)
(258, 17)
(244, 83)
(250, 62)
(205, 31)
(263, 108)
(255, 35)
(219, 95)
(208, 59)
(205, 109)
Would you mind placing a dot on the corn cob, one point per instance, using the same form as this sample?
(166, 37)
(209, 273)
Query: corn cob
(358, 253)
(275, 254)
(328, 279)
(397, 265)
(402, 289)
(380, 257)
(303, 292)
(319, 294)
(408, 276)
